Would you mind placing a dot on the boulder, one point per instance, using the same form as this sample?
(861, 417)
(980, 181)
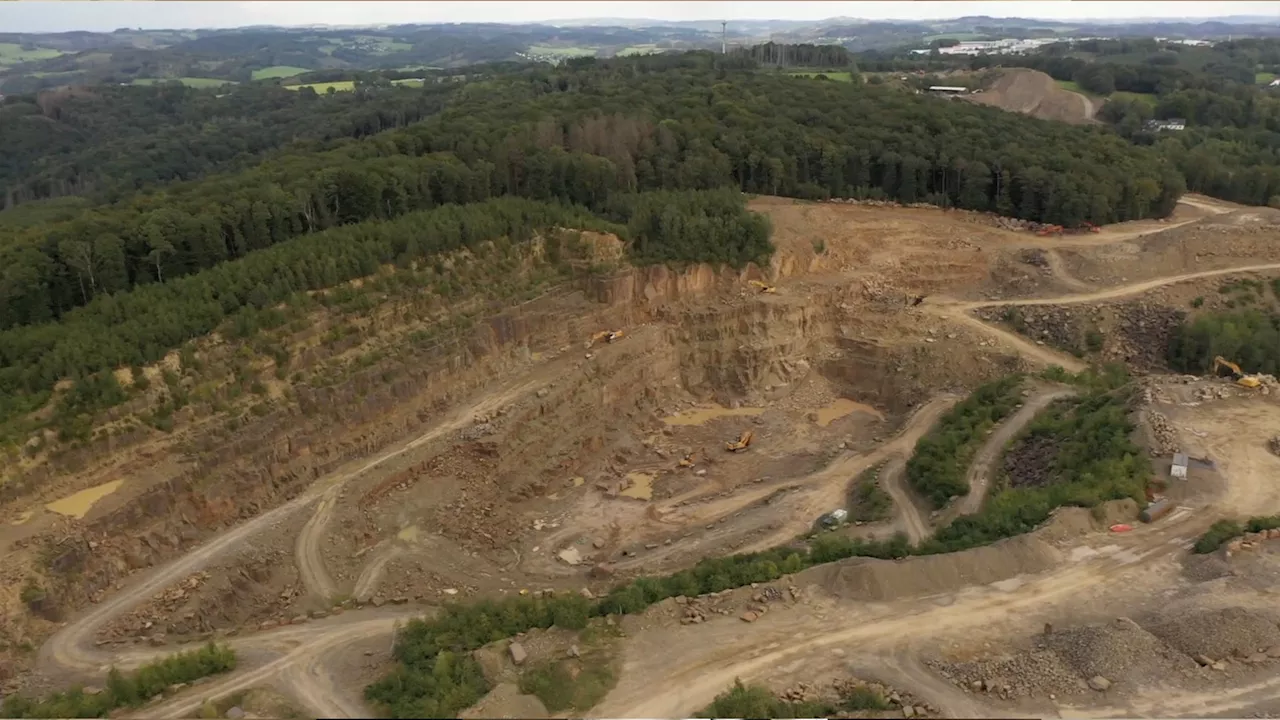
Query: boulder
(1099, 683)
(518, 654)
(235, 713)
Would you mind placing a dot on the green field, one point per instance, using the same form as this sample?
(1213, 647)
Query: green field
(1117, 95)
(647, 49)
(12, 54)
(322, 88)
(195, 82)
(562, 51)
(1071, 85)
(836, 75)
(277, 71)
(1264, 78)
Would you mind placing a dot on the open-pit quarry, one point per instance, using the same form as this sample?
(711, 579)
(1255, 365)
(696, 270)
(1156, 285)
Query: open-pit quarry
(529, 458)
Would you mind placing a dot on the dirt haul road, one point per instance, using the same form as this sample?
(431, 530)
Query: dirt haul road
(72, 648)
(893, 479)
(979, 475)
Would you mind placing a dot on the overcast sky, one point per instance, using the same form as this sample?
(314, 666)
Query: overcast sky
(104, 15)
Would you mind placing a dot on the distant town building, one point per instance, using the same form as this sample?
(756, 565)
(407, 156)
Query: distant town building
(948, 89)
(1170, 124)
(1274, 83)
(993, 47)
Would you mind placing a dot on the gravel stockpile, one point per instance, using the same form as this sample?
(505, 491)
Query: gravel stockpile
(1119, 651)
(1219, 634)
(1035, 673)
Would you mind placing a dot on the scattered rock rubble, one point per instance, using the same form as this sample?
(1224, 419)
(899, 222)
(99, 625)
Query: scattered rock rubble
(901, 703)
(1250, 541)
(1220, 634)
(697, 609)
(1163, 435)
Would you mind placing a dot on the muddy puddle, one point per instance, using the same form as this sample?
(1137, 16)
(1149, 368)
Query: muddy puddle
(842, 407)
(78, 505)
(640, 486)
(701, 415)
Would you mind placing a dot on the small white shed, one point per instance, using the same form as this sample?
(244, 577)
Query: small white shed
(1179, 467)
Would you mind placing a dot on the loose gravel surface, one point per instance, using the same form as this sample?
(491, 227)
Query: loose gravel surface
(1038, 672)
(1219, 634)
(1120, 651)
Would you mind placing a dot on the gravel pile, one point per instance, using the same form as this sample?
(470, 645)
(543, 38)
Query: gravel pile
(1218, 634)
(1119, 650)
(1036, 673)
(1163, 433)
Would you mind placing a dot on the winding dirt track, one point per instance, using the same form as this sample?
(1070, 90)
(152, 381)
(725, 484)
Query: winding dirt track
(979, 475)
(294, 656)
(893, 479)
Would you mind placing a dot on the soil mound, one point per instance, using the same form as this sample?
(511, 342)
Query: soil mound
(880, 580)
(1034, 93)
(1219, 633)
(506, 701)
(1119, 650)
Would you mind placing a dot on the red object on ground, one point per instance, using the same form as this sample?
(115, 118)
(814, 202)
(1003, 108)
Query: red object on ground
(1121, 528)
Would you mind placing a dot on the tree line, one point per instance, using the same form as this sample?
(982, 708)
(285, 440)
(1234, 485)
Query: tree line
(583, 133)
(106, 141)
(139, 326)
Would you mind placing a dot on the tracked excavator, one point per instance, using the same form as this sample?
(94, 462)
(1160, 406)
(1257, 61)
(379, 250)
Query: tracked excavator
(764, 287)
(743, 441)
(606, 336)
(1249, 381)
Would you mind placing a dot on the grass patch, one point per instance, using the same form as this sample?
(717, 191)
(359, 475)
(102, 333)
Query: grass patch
(757, 701)
(1224, 531)
(1264, 78)
(836, 75)
(278, 71)
(570, 684)
(571, 51)
(868, 502)
(409, 82)
(937, 468)
(1147, 98)
(322, 88)
(131, 690)
(1072, 85)
(647, 49)
(195, 82)
(13, 54)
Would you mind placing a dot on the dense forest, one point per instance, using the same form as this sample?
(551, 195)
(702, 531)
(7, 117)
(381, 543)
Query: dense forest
(107, 141)
(581, 134)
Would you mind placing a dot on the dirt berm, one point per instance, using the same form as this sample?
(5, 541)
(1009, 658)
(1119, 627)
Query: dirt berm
(1033, 93)
(868, 579)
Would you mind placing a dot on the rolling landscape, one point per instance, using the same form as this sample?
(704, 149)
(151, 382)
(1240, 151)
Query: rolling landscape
(849, 369)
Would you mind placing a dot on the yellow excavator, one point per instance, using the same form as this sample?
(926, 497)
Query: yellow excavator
(764, 287)
(743, 441)
(1249, 381)
(606, 336)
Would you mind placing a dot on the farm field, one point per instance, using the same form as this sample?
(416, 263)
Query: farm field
(836, 75)
(277, 71)
(339, 86)
(195, 82)
(12, 54)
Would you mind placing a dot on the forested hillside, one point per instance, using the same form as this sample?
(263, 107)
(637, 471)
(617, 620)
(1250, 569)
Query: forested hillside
(660, 146)
(110, 140)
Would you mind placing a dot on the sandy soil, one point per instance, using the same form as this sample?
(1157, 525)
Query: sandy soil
(1034, 93)
(510, 475)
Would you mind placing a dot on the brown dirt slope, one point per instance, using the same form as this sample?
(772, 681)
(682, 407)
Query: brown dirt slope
(1033, 93)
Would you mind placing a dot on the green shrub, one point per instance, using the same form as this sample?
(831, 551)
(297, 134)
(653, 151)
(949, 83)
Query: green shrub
(123, 690)
(937, 468)
(756, 701)
(1217, 534)
(868, 502)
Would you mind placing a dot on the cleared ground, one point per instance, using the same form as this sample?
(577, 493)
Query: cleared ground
(1034, 93)
(526, 463)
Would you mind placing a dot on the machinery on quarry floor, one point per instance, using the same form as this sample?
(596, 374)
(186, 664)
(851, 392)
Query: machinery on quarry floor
(1249, 381)
(743, 441)
(606, 336)
(764, 287)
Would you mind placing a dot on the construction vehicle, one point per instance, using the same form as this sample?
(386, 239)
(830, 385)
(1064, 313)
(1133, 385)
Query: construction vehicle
(764, 287)
(1050, 230)
(607, 336)
(743, 441)
(1249, 381)
(1092, 228)
(687, 461)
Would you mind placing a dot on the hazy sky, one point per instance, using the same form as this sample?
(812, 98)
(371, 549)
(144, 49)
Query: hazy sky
(105, 15)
